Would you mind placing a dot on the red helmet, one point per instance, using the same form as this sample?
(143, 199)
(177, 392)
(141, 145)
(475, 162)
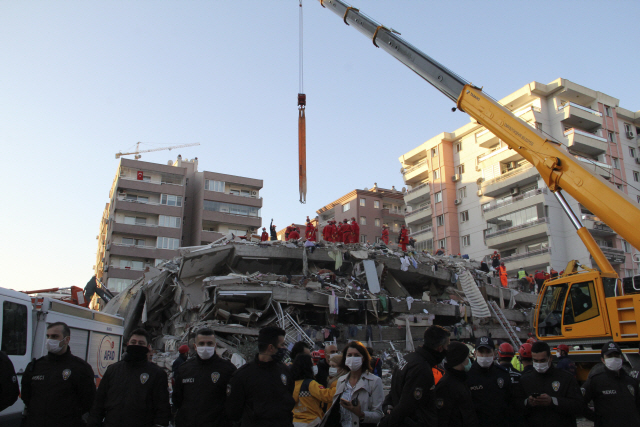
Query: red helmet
(564, 347)
(183, 349)
(505, 350)
(531, 340)
(525, 351)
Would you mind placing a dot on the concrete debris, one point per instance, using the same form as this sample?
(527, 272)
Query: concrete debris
(318, 293)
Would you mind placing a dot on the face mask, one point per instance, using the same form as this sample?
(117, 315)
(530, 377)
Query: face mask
(354, 362)
(54, 346)
(484, 362)
(205, 353)
(558, 354)
(315, 370)
(280, 355)
(613, 363)
(468, 366)
(541, 367)
(333, 371)
(137, 353)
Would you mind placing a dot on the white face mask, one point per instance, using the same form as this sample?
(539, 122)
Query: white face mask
(484, 362)
(613, 363)
(541, 367)
(54, 346)
(333, 371)
(558, 354)
(354, 362)
(206, 352)
(315, 370)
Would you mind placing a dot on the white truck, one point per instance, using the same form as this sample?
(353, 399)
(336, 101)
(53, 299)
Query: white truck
(95, 337)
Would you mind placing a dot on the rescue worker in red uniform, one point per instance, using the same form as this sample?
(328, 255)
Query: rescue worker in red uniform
(327, 232)
(336, 232)
(310, 232)
(404, 238)
(355, 231)
(385, 234)
(294, 235)
(502, 271)
(265, 236)
(287, 232)
(346, 232)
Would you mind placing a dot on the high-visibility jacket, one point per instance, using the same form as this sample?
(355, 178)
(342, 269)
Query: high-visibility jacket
(522, 274)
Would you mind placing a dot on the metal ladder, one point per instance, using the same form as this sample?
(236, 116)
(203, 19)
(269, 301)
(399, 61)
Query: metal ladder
(515, 341)
(290, 326)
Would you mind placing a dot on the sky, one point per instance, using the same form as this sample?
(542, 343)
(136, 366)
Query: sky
(81, 81)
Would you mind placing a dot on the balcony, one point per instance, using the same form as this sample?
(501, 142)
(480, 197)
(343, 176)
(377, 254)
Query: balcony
(585, 142)
(596, 227)
(513, 203)
(210, 236)
(150, 186)
(121, 249)
(388, 216)
(486, 139)
(613, 255)
(534, 260)
(530, 114)
(124, 273)
(418, 216)
(146, 230)
(596, 168)
(525, 174)
(418, 194)
(581, 117)
(534, 229)
(229, 218)
(416, 173)
(148, 207)
(217, 196)
(422, 235)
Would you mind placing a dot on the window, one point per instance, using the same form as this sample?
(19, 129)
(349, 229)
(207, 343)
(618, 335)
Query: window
(514, 219)
(607, 111)
(168, 243)
(377, 222)
(466, 240)
(346, 207)
(157, 262)
(612, 137)
(214, 185)
(628, 131)
(363, 238)
(129, 264)
(440, 220)
(464, 216)
(636, 176)
(170, 200)
(363, 220)
(169, 221)
(136, 198)
(376, 204)
(438, 197)
(132, 241)
(436, 174)
(458, 147)
(237, 232)
(396, 226)
(14, 328)
(626, 246)
(118, 285)
(628, 273)
(632, 151)
(462, 193)
(616, 162)
(434, 151)
(230, 208)
(460, 169)
(171, 179)
(486, 206)
(442, 243)
(638, 199)
(362, 202)
(135, 220)
(581, 304)
(551, 310)
(537, 246)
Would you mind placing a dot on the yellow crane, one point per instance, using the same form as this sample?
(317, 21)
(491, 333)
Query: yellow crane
(138, 151)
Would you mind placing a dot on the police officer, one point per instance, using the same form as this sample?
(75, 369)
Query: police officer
(58, 388)
(201, 386)
(260, 393)
(563, 362)
(9, 388)
(490, 386)
(615, 395)
(133, 392)
(505, 355)
(453, 398)
(411, 400)
(553, 397)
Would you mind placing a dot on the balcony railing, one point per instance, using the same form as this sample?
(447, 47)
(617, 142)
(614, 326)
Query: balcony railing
(124, 199)
(140, 224)
(418, 210)
(416, 166)
(509, 174)
(483, 157)
(416, 188)
(506, 202)
(417, 233)
(133, 246)
(151, 181)
(584, 133)
(612, 251)
(580, 107)
(526, 255)
(516, 228)
(521, 112)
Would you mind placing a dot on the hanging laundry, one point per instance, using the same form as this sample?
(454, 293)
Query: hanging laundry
(409, 302)
(337, 257)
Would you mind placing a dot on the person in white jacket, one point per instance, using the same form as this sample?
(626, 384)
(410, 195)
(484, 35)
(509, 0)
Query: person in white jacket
(359, 395)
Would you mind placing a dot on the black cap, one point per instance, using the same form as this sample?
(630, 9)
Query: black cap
(485, 342)
(456, 353)
(609, 348)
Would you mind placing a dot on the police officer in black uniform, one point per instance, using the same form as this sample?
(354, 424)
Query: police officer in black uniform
(9, 388)
(260, 393)
(615, 395)
(133, 392)
(553, 397)
(58, 388)
(490, 386)
(411, 400)
(453, 398)
(200, 389)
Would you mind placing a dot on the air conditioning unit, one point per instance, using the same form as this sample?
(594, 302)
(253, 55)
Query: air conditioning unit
(637, 161)
(455, 178)
(106, 268)
(515, 191)
(630, 135)
(254, 193)
(510, 165)
(457, 201)
(109, 247)
(479, 193)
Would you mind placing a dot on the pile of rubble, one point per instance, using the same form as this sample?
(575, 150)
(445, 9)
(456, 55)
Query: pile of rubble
(317, 292)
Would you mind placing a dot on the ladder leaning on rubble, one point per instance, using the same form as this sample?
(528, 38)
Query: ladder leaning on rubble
(515, 341)
(290, 326)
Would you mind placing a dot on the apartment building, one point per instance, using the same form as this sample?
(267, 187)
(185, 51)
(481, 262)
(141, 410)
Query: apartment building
(469, 193)
(154, 209)
(371, 208)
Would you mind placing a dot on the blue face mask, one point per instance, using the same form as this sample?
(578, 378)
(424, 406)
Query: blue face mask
(468, 365)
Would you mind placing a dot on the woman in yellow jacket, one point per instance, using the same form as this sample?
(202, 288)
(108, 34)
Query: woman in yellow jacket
(308, 394)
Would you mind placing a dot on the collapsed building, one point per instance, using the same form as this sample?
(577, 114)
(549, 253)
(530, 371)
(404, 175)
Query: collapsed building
(317, 292)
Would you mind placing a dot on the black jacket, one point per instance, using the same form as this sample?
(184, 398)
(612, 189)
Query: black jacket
(454, 402)
(412, 391)
(491, 393)
(9, 388)
(131, 394)
(57, 390)
(200, 392)
(261, 395)
(323, 372)
(178, 362)
(616, 399)
(556, 383)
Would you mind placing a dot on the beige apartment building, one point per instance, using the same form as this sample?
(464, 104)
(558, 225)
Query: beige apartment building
(154, 209)
(469, 193)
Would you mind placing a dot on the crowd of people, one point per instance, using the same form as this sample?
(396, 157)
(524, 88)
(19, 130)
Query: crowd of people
(439, 384)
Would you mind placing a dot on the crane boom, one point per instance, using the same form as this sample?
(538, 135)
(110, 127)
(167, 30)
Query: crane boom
(558, 168)
(120, 154)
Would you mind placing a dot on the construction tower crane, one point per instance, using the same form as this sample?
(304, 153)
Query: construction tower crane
(138, 151)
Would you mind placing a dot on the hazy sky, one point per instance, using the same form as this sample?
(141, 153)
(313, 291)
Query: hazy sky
(80, 81)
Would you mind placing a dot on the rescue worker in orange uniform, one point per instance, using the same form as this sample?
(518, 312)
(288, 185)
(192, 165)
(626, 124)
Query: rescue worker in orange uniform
(385, 234)
(502, 271)
(265, 236)
(355, 231)
(404, 238)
